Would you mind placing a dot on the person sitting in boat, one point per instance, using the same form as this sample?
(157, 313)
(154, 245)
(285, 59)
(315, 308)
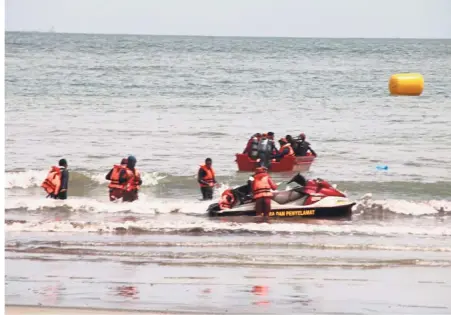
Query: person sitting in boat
(285, 149)
(303, 147)
(252, 146)
(292, 142)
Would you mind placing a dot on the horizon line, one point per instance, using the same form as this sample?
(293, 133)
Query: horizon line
(226, 36)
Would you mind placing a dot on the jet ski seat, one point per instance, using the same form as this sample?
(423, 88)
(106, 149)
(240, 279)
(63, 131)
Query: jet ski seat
(283, 197)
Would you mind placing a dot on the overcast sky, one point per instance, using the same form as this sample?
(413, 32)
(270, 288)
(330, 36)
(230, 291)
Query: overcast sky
(291, 18)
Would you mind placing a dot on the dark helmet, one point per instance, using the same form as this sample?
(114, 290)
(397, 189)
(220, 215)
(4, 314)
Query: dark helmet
(62, 162)
(131, 162)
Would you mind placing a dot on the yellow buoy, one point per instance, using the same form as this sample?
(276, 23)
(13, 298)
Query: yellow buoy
(406, 84)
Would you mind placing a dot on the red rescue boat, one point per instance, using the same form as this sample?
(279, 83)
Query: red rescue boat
(286, 164)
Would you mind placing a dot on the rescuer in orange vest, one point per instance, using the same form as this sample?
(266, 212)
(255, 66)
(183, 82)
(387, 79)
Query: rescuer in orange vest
(285, 149)
(261, 190)
(57, 181)
(118, 180)
(134, 180)
(206, 179)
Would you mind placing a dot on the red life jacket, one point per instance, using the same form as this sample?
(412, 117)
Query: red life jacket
(260, 186)
(52, 182)
(209, 177)
(227, 199)
(115, 174)
(133, 180)
(290, 149)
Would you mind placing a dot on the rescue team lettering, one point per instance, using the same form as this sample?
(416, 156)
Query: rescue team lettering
(291, 213)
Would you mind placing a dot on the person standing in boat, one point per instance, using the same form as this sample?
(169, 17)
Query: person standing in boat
(265, 150)
(261, 190)
(252, 146)
(206, 179)
(272, 144)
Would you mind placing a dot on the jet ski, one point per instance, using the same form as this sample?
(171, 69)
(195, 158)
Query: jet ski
(315, 198)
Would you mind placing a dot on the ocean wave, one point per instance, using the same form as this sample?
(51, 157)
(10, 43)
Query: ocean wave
(366, 207)
(293, 259)
(84, 181)
(34, 178)
(282, 243)
(199, 226)
(145, 205)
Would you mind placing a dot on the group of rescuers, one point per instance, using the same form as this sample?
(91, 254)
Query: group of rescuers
(125, 181)
(260, 185)
(262, 148)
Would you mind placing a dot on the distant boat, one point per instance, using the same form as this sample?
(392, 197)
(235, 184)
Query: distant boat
(52, 30)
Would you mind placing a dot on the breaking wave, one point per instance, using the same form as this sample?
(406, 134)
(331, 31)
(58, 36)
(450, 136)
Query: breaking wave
(83, 182)
(199, 226)
(366, 207)
(34, 178)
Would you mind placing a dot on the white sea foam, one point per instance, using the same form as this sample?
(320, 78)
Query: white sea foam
(34, 178)
(202, 225)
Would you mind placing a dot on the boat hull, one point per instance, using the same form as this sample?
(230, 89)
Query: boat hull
(289, 212)
(287, 164)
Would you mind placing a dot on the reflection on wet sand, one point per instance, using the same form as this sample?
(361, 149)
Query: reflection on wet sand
(271, 274)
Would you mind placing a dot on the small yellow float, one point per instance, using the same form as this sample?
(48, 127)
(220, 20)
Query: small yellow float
(406, 84)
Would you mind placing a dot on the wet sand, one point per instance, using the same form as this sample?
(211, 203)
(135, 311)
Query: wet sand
(29, 310)
(230, 274)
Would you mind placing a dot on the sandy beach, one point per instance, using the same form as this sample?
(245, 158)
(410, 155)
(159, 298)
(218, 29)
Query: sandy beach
(30, 310)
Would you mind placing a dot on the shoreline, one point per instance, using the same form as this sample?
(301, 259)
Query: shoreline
(14, 309)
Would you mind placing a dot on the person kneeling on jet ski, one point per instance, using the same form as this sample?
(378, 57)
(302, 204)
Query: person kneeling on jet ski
(261, 190)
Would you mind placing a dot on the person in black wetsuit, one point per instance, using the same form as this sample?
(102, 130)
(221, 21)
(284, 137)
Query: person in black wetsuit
(303, 147)
(62, 194)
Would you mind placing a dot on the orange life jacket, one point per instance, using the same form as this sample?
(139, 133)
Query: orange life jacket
(133, 180)
(52, 182)
(227, 199)
(260, 186)
(115, 174)
(209, 177)
(290, 149)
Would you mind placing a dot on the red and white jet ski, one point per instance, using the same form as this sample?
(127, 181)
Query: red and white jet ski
(309, 199)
